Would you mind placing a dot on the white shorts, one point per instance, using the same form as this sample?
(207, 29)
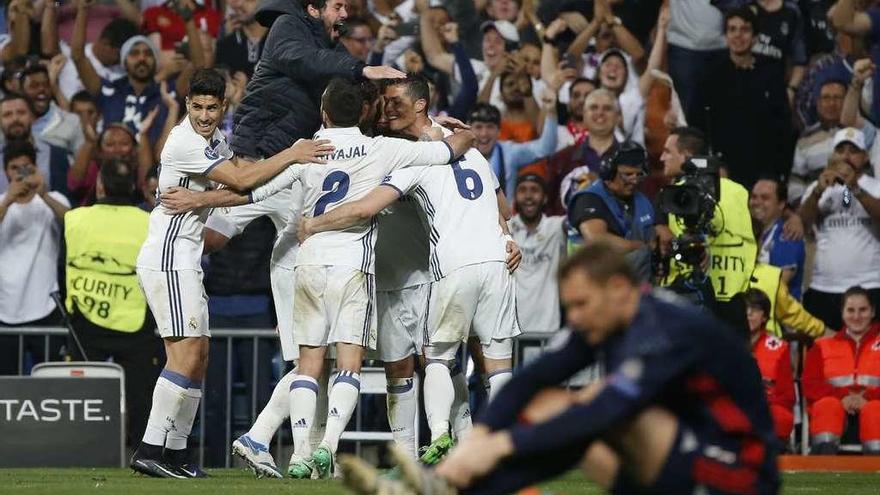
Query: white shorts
(334, 304)
(401, 321)
(282, 280)
(177, 300)
(231, 221)
(477, 300)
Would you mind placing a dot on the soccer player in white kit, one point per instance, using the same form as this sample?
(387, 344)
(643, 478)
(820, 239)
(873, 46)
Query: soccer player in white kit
(472, 287)
(335, 290)
(170, 274)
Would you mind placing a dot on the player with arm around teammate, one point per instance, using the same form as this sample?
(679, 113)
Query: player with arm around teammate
(170, 274)
(471, 286)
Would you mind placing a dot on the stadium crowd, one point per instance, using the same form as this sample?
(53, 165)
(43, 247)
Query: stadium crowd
(584, 110)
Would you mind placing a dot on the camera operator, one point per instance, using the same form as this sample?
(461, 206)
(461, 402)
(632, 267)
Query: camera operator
(613, 210)
(730, 248)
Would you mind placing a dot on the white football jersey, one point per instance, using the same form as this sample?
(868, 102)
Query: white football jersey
(286, 243)
(356, 167)
(461, 208)
(402, 249)
(174, 242)
(537, 291)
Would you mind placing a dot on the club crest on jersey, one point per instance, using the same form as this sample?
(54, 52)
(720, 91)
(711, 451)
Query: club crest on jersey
(211, 153)
(876, 346)
(773, 343)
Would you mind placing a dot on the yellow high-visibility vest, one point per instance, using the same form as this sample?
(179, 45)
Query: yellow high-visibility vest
(767, 278)
(103, 242)
(732, 252)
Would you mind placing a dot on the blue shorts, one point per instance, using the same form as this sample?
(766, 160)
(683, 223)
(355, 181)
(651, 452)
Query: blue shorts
(710, 464)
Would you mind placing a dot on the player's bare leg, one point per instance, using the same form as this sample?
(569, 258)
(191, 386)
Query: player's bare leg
(401, 400)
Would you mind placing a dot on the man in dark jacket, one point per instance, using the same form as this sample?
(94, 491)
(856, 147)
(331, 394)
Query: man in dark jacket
(282, 100)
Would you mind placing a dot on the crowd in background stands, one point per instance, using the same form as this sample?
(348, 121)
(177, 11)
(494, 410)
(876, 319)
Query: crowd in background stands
(786, 93)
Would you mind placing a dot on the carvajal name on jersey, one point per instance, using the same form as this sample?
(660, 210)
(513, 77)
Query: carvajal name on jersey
(349, 153)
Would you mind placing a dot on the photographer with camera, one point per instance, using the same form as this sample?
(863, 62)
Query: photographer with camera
(709, 236)
(612, 210)
(844, 210)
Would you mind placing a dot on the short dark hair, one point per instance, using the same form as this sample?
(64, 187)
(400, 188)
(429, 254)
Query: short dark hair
(118, 31)
(343, 102)
(82, 97)
(756, 298)
(208, 82)
(856, 290)
(504, 75)
(16, 96)
(581, 80)
(416, 85)
(117, 177)
(839, 82)
(745, 13)
(781, 189)
(691, 140)
(351, 23)
(485, 112)
(17, 149)
(30, 70)
(318, 4)
(600, 261)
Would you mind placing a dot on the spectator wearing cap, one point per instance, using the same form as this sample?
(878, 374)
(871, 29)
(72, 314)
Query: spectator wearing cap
(541, 239)
(767, 204)
(843, 209)
(506, 157)
(52, 124)
(103, 53)
(816, 142)
(613, 210)
(240, 50)
(16, 118)
(500, 39)
(747, 117)
(130, 99)
(30, 239)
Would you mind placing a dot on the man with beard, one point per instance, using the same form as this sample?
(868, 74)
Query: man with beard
(53, 125)
(542, 241)
(128, 99)
(16, 118)
(611, 209)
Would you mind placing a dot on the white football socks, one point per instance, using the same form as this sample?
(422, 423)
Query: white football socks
(274, 413)
(402, 411)
(498, 379)
(186, 416)
(439, 395)
(303, 399)
(461, 407)
(343, 399)
(168, 397)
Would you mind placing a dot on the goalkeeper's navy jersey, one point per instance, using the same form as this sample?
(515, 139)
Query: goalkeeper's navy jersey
(673, 356)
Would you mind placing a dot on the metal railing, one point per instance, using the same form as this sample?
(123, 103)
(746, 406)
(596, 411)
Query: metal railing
(538, 340)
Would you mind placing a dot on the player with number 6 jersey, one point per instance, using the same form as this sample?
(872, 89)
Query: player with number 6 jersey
(334, 290)
(472, 289)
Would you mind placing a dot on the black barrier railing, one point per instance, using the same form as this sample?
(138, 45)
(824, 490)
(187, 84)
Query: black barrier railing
(525, 345)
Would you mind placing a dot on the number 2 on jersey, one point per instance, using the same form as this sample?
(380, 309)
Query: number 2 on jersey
(336, 185)
(468, 189)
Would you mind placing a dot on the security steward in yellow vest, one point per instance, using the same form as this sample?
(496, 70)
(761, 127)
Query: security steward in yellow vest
(107, 306)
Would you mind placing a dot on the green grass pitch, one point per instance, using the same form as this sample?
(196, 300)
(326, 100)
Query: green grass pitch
(239, 482)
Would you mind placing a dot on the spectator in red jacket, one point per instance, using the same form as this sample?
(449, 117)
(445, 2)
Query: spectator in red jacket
(774, 361)
(842, 379)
